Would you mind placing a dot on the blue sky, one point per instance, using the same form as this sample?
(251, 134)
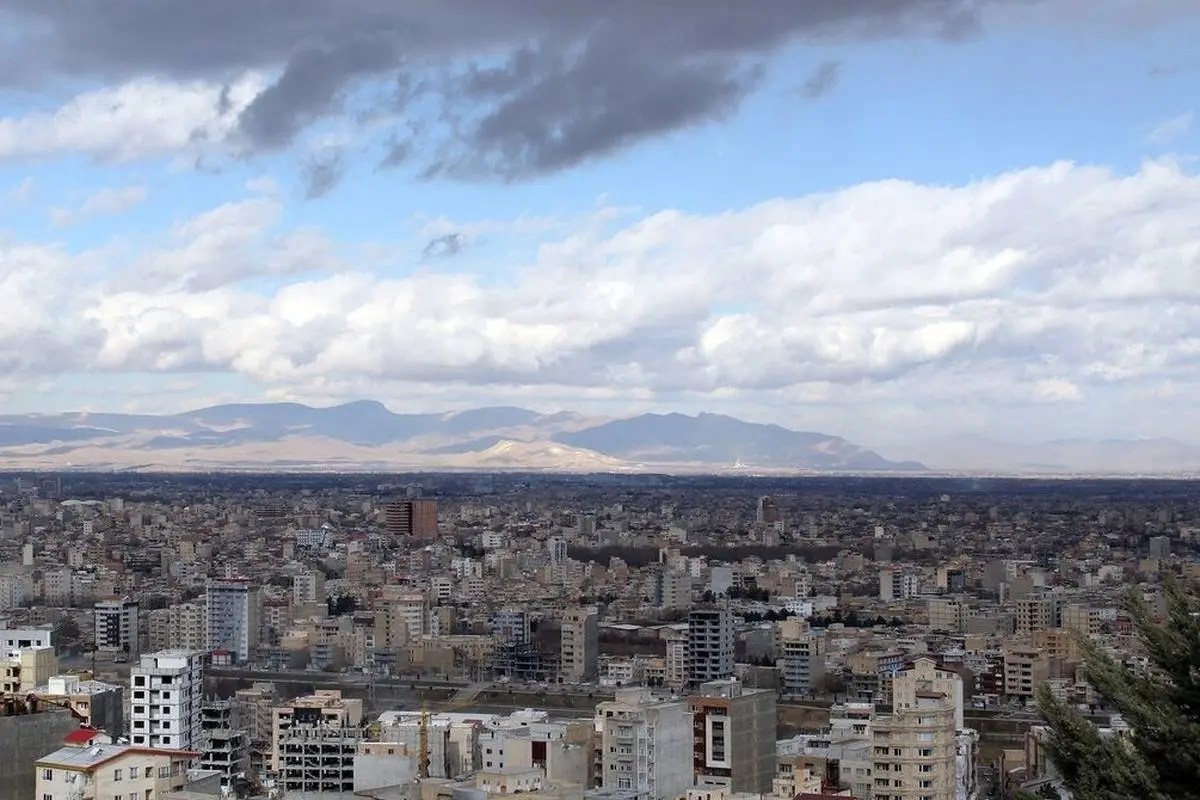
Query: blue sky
(672, 247)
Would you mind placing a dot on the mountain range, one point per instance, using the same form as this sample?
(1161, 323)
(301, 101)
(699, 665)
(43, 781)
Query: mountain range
(365, 435)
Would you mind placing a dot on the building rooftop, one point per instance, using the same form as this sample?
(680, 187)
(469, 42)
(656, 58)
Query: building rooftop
(86, 758)
(76, 687)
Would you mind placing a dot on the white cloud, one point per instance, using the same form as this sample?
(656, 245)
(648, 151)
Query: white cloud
(102, 203)
(145, 117)
(1171, 130)
(884, 304)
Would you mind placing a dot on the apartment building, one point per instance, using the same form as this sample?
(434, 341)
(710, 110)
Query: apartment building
(116, 625)
(13, 640)
(1035, 613)
(1025, 669)
(898, 584)
(181, 626)
(948, 614)
(232, 610)
(107, 771)
(924, 676)
(580, 644)
(709, 645)
(308, 587)
(24, 669)
(733, 736)
(644, 744)
(166, 690)
(801, 658)
(914, 751)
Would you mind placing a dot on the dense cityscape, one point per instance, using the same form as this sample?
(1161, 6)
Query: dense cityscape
(561, 636)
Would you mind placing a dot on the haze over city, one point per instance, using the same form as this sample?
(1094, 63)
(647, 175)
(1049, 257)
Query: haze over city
(889, 222)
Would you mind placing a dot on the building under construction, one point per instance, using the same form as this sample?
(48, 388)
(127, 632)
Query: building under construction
(224, 743)
(316, 739)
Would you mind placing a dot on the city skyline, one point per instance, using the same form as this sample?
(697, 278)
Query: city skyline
(879, 225)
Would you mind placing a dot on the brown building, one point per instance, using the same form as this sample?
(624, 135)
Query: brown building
(417, 518)
(733, 741)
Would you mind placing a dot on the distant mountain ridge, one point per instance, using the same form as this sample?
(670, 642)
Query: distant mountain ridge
(365, 434)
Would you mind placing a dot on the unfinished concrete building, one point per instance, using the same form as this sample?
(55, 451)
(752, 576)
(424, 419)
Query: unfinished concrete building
(315, 741)
(224, 742)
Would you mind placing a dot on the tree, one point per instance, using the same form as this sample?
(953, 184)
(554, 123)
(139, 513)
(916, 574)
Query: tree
(1160, 759)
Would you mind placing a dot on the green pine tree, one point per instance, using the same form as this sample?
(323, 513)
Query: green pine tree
(1160, 759)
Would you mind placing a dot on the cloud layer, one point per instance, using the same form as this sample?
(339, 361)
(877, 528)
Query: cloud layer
(1040, 286)
(470, 89)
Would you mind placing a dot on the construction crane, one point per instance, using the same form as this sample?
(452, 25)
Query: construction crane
(463, 698)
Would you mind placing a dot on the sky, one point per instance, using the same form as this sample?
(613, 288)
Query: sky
(889, 220)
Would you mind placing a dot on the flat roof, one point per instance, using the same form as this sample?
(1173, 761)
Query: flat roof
(84, 758)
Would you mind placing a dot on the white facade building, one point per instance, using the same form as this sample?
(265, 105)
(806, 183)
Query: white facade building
(232, 617)
(166, 690)
(14, 640)
(646, 744)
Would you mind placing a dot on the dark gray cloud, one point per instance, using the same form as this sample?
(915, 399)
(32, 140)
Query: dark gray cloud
(322, 174)
(396, 153)
(311, 88)
(446, 246)
(822, 81)
(575, 80)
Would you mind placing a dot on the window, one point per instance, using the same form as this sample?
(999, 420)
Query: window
(117, 774)
(47, 774)
(149, 773)
(47, 797)
(133, 773)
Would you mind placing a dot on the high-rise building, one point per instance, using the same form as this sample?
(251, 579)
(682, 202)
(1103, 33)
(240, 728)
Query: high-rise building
(925, 676)
(416, 518)
(580, 644)
(734, 736)
(117, 625)
(557, 547)
(585, 526)
(232, 617)
(645, 744)
(166, 690)
(897, 584)
(915, 751)
(801, 659)
(308, 587)
(710, 645)
(768, 511)
(1160, 547)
